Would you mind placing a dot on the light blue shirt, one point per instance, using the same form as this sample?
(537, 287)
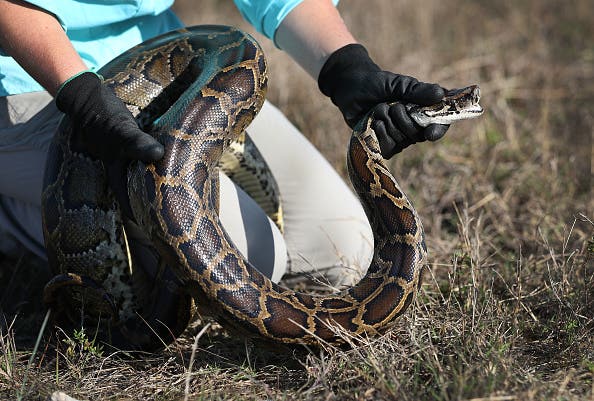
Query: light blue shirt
(266, 16)
(102, 29)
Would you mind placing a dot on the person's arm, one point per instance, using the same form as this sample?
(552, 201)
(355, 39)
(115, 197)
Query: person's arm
(36, 40)
(316, 37)
(311, 32)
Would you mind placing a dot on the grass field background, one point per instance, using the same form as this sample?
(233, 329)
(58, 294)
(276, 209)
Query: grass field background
(506, 311)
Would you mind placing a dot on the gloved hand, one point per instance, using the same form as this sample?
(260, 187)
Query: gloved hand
(357, 85)
(107, 129)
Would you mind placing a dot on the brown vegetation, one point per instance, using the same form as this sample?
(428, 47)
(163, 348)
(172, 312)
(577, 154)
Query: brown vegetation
(506, 311)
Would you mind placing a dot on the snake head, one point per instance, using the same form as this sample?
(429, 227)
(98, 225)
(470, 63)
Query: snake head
(457, 104)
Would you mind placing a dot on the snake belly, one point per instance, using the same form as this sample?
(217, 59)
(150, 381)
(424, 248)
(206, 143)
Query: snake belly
(213, 86)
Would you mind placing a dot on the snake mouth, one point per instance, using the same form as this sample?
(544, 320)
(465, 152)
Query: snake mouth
(472, 111)
(446, 117)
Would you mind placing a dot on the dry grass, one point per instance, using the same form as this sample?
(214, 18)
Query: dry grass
(506, 311)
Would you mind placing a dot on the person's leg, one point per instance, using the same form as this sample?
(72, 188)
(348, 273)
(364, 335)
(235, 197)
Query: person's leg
(21, 221)
(326, 229)
(27, 124)
(254, 234)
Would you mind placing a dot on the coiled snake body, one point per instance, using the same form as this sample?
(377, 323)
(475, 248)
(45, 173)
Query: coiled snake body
(196, 90)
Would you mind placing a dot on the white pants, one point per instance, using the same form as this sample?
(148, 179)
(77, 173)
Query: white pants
(326, 230)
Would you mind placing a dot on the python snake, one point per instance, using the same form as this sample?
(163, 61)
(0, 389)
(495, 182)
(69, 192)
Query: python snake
(196, 90)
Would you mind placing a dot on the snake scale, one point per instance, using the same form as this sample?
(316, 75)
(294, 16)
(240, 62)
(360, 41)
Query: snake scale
(196, 90)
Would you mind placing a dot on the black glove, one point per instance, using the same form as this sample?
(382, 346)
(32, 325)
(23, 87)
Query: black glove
(357, 85)
(107, 129)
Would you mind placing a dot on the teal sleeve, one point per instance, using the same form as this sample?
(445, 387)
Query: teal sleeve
(99, 30)
(80, 14)
(266, 16)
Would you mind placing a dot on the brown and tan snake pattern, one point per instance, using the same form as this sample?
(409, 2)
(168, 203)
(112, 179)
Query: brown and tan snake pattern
(196, 90)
